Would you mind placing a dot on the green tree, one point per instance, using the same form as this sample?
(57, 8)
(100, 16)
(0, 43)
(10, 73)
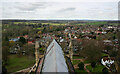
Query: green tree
(118, 36)
(29, 49)
(4, 70)
(93, 64)
(105, 71)
(118, 56)
(108, 48)
(6, 38)
(5, 53)
(113, 53)
(91, 50)
(22, 39)
(81, 65)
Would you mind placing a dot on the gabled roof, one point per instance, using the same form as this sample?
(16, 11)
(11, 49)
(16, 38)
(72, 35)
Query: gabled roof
(106, 58)
(54, 59)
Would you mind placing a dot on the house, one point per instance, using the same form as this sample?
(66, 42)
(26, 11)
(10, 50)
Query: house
(107, 61)
(104, 32)
(66, 30)
(98, 32)
(31, 42)
(109, 27)
(107, 41)
(14, 49)
(83, 31)
(25, 36)
(61, 40)
(14, 39)
(75, 37)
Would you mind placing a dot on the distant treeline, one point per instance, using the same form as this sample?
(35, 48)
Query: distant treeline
(60, 21)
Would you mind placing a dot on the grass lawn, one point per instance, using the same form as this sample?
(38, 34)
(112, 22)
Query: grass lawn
(77, 57)
(77, 71)
(104, 54)
(75, 62)
(98, 68)
(86, 61)
(16, 63)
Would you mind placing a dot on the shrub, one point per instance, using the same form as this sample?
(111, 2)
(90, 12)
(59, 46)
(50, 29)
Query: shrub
(81, 65)
(105, 71)
(93, 64)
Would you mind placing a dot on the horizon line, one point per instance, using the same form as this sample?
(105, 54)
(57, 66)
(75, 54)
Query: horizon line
(63, 19)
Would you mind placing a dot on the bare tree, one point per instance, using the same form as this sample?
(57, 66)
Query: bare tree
(91, 50)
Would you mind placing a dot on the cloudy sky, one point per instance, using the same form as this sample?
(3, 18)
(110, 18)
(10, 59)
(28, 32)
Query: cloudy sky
(79, 9)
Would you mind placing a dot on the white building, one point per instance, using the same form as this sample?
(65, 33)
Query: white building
(110, 27)
(107, 61)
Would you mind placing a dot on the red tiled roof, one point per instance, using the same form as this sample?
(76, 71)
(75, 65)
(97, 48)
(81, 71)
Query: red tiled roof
(106, 58)
(79, 40)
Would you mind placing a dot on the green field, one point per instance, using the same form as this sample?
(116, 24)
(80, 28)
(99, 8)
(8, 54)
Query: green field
(55, 24)
(16, 63)
(24, 22)
(97, 23)
(92, 23)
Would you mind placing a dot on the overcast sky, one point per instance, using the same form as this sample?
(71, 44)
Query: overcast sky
(79, 9)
